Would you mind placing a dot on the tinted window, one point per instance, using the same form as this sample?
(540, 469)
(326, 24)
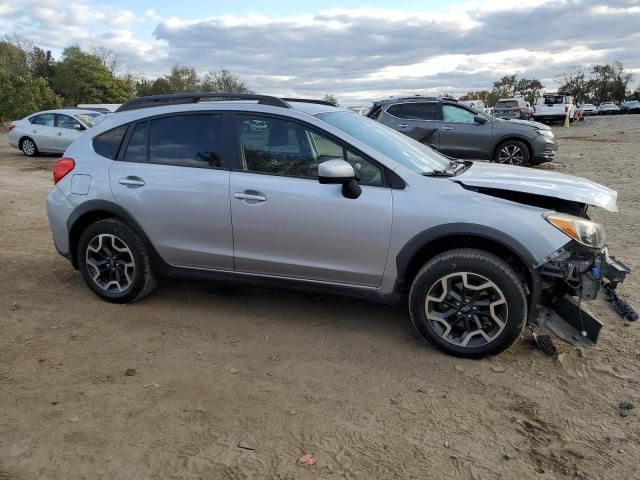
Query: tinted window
(137, 147)
(272, 145)
(108, 143)
(186, 140)
(554, 99)
(415, 111)
(507, 104)
(46, 119)
(65, 121)
(451, 113)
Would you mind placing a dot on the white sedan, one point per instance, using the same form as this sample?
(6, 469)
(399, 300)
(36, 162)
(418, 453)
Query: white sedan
(51, 131)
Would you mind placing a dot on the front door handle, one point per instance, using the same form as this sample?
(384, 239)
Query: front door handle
(34, 131)
(447, 128)
(131, 181)
(59, 134)
(403, 125)
(251, 196)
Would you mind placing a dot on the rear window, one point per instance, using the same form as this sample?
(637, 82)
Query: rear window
(554, 99)
(507, 104)
(108, 143)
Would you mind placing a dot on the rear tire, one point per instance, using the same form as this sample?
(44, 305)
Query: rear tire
(512, 152)
(468, 303)
(114, 262)
(28, 147)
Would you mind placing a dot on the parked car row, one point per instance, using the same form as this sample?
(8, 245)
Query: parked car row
(610, 108)
(303, 193)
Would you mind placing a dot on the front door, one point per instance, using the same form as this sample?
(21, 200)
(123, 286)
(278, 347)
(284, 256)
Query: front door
(68, 129)
(177, 189)
(285, 223)
(462, 137)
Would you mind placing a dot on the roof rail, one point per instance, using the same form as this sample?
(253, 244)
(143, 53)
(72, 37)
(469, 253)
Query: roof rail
(184, 98)
(309, 100)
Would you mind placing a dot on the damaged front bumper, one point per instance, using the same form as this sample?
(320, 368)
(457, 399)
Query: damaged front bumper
(569, 277)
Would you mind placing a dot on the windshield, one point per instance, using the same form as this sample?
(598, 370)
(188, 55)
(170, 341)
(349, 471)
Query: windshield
(89, 119)
(395, 145)
(554, 99)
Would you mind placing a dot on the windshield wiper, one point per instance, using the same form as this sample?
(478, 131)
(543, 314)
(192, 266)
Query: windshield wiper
(454, 167)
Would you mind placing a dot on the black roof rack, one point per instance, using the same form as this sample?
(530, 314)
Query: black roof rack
(184, 98)
(309, 100)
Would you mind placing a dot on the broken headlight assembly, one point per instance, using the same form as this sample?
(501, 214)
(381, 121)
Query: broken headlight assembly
(585, 232)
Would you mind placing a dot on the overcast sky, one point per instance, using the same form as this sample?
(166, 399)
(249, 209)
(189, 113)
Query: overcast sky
(358, 51)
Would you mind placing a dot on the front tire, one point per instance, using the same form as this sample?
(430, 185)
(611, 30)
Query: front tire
(114, 262)
(468, 303)
(28, 147)
(512, 152)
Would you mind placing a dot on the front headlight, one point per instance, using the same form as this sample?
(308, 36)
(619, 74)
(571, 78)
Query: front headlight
(546, 133)
(586, 232)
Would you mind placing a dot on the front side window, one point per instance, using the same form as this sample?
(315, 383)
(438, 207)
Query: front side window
(451, 113)
(65, 121)
(186, 140)
(280, 147)
(45, 119)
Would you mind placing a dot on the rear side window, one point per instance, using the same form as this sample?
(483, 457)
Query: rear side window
(45, 119)
(137, 147)
(108, 143)
(187, 141)
(415, 111)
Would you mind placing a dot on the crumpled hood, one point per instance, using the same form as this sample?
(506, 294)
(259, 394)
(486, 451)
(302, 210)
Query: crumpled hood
(538, 182)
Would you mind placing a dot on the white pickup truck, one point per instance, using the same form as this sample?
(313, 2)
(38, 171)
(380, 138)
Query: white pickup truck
(553, 107)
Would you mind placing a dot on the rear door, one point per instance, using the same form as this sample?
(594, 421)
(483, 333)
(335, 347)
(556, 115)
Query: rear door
(462, 137)
(172, 177)
(287, 224)
(67, 130)
(43, 131)
(419, 120)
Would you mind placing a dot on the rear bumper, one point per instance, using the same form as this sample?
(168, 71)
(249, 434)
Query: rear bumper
(58, 211)
(549, 117)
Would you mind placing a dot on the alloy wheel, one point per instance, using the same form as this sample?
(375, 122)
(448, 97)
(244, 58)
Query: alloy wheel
(110, 263)
(511, 154)
(466, 309)
(28, 147)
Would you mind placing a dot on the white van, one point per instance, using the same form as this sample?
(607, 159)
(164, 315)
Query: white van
(554, 106)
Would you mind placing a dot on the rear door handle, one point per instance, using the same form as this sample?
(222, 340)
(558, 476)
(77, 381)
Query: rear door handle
(59, 134)
(34, 131)
(131, 181)
(403, 125)
(251, 195)
(447, 128)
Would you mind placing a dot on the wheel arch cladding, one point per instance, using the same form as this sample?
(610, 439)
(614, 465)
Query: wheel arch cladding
(92, 211)
(429, 243)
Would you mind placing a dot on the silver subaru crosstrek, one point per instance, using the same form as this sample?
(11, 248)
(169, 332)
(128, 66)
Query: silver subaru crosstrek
(323, 198)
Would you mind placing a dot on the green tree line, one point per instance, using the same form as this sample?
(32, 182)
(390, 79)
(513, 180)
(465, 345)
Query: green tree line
(600, 83)
(32, 80)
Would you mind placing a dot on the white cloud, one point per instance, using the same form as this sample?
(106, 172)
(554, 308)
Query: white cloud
(356, 54)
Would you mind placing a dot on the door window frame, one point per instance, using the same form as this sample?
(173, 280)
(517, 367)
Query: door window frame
(226, 150)
(389, 179)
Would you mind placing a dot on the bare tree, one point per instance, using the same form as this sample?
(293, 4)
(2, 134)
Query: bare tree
(224, 81)
(108, 57)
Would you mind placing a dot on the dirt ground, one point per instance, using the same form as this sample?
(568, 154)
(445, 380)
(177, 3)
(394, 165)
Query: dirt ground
(290, 374)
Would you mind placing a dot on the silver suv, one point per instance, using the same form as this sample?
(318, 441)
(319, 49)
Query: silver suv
(301, 193)
(464, 132)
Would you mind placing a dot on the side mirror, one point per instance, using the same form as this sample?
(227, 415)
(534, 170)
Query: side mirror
(479, 119)
(340, 172)
(77, 126)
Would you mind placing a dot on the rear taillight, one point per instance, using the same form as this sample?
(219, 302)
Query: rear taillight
(517, 109)
(566, 108)
(62, 167)
(11, 127)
